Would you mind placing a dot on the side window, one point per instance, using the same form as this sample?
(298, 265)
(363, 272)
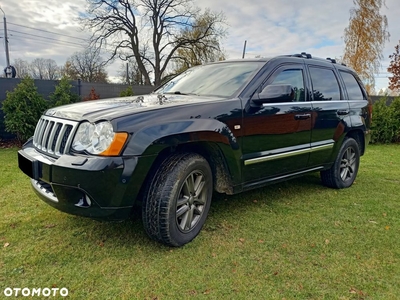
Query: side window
(353, 88)
(325, 84)
(295, 79)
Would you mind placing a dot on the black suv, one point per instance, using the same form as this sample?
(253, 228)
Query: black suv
(228, 127)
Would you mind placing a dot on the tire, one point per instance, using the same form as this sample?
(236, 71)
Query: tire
(178, 199)
(344, 170)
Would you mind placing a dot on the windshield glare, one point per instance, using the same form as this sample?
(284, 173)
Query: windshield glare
(223, 79)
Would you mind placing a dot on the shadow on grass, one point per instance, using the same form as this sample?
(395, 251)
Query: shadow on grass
(268, 195)
(131, 234)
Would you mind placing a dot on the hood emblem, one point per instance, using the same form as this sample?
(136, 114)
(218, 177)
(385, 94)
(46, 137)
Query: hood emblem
(139, 99)
(51, 112)
(161, 99)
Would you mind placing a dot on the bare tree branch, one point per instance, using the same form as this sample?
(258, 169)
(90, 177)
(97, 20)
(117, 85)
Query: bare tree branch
(86, 65)
(157, 26)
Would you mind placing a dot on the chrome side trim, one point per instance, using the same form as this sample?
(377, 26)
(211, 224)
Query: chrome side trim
(323, 147)
(287, 154)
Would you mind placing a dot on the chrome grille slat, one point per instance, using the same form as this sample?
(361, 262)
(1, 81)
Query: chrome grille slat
(68, 142)
(35, 135)
(54, 136)
(51, 139)
(40, 134)
(45, 135)
(60, 139)
(49, 128)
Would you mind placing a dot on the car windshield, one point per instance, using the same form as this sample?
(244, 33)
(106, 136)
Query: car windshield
(222, 79)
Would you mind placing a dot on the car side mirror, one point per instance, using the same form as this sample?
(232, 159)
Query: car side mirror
(274, 93)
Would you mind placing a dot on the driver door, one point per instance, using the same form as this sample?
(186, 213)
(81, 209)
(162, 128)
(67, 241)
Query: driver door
(277, 135)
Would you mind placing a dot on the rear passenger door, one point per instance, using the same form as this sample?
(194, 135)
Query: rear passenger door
(330, 113)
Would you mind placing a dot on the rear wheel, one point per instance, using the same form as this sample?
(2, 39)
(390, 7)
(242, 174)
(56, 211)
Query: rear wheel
(344, 170)
(178, 199)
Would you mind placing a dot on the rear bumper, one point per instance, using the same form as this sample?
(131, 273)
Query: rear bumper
(95, 187)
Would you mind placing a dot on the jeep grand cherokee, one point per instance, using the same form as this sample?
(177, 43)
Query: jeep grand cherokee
(229, 127)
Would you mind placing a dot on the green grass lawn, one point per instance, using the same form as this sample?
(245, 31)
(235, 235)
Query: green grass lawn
(295, 240)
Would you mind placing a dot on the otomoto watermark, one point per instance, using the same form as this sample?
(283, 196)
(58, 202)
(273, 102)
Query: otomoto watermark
(35, 292)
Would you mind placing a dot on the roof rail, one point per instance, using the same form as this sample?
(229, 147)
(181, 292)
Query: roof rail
(334, 61)
(302, 54)
(307, 55)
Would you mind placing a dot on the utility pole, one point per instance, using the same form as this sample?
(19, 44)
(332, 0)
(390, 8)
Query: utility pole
(244, 49)
(8, 69)
(127, 73)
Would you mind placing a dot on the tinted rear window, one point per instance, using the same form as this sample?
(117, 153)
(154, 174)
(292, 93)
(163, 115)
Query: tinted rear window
(353, 88)
(325, 84)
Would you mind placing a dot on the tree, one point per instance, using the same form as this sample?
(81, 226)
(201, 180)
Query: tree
(148, 30)
(23, 68)
(129, 73)
(52, 69)
(394, 68)
(127, 92)
(38, 68)
(205, 51)
(42, 68)
(92, 95)
(62, 94)
(365, 39)
(86, 65)
(23, 108)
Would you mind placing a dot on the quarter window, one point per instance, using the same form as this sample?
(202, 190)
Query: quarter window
(325, 84)
(353, 88)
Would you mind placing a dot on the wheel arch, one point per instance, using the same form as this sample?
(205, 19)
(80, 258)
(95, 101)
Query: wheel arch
(358, 136)
(223, 175)
(208, 137)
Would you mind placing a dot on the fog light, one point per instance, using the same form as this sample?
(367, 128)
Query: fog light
(84, 202)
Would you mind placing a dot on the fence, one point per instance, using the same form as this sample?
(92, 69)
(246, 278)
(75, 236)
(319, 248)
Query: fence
(47, 87)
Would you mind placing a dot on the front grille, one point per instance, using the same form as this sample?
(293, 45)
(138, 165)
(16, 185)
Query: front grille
(54, 136)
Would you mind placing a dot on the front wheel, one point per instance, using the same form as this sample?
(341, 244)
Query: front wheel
(178, 199)
(344, 170)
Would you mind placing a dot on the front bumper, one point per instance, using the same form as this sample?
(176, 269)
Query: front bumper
(95, 187)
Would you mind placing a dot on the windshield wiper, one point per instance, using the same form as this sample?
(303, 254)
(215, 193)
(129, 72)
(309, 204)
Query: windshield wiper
(180, 93)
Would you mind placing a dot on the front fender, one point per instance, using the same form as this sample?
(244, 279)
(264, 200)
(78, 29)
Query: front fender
(153, 139)
(150, 141)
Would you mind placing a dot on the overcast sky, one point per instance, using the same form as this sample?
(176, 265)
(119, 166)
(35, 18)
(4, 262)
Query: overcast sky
(270, 28)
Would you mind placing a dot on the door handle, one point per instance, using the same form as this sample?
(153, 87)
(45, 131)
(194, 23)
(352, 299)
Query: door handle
(343, 112)
(302, 117)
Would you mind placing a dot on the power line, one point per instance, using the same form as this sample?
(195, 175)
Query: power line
(60, 34)
(43, 37)
(60, 43)
(51, 39)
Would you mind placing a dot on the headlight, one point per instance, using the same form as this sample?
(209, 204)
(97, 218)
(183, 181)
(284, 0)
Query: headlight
(83, 137)
(99, 138)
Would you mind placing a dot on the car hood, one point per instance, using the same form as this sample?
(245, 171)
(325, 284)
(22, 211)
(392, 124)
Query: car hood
(118, 107)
